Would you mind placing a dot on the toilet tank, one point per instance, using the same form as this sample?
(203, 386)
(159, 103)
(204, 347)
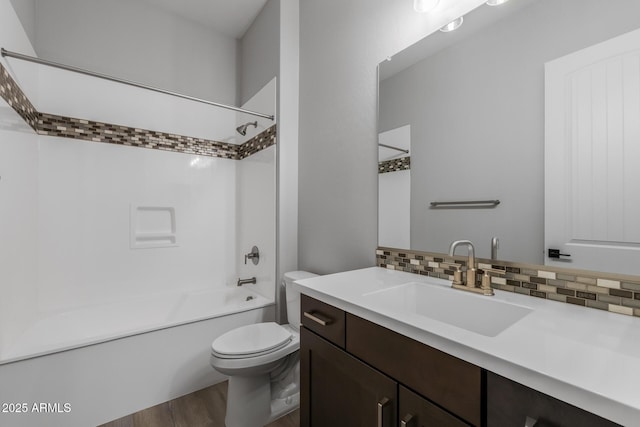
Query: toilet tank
(293, 297)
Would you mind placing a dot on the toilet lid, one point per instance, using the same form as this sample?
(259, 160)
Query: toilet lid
(251, 340)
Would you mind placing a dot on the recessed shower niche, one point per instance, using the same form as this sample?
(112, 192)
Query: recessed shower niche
(153, 227)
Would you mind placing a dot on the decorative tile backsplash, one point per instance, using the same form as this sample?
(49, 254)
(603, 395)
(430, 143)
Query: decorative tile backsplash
(614, 293)
(394, 165)
(88, 130)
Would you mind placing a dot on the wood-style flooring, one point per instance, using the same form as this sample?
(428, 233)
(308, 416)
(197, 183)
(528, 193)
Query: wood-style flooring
(203, 408)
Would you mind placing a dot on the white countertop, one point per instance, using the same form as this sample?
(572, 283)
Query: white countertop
(589, 358)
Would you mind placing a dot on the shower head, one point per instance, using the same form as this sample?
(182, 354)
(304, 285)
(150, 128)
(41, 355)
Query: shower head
(242, 129)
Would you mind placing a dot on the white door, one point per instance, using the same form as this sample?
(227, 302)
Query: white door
(592, 157)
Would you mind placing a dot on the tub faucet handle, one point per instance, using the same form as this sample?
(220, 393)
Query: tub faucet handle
(254, 256)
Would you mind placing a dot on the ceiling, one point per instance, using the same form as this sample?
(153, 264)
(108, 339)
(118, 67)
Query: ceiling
(229, 17)
(479, 18)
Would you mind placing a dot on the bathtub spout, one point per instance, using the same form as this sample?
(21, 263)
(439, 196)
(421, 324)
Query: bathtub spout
(245, 281)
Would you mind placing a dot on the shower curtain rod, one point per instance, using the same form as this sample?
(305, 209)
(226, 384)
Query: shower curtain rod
(28, 58)
(394, 148)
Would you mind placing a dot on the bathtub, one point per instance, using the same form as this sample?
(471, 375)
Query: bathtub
(94, 364)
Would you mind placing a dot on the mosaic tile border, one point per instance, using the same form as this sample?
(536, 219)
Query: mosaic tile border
(610, 292)
(264, 139)
(395, 165)
(15, 97)
(88, 130)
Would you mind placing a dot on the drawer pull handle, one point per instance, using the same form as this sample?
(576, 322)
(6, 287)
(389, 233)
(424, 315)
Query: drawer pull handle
(407, 421)
(382, 404)
(317, 318)
(530, 422)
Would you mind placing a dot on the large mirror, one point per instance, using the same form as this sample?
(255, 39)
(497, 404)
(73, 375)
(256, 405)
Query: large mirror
(462, 119)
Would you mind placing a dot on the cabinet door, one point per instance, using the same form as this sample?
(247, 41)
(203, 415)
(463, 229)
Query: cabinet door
(450, 382)
(416, 411)
(337, 390)
(511, 404)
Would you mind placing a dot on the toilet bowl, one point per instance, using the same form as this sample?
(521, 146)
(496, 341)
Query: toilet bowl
(262, 362)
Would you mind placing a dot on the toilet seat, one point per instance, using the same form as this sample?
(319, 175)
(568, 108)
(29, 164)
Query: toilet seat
(251, 341)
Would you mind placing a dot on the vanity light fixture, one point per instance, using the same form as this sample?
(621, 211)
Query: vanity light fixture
(453, 25)
(496, 2)
(424, 6)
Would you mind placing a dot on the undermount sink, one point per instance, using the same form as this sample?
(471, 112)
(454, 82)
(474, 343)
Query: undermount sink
(476, 313)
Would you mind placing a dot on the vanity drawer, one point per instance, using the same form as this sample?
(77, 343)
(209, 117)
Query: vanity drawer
(323, 319)
(452, 383)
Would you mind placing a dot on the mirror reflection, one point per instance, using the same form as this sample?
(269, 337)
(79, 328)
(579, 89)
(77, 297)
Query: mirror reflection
(469, 106)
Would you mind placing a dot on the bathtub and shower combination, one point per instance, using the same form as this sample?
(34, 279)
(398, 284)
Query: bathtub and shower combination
(93, 327)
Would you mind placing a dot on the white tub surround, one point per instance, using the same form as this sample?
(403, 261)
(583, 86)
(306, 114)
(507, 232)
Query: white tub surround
(255, 197)
(587, 358)
(113, 223)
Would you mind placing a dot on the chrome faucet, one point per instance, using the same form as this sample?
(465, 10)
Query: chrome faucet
(471, 263)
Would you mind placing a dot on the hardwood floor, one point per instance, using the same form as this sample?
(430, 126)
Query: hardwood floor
(203, 408)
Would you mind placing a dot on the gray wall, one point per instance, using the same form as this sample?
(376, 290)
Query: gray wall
(477, 119)
(134, 41)
(26, 11)
(341, 43)
(260, 51)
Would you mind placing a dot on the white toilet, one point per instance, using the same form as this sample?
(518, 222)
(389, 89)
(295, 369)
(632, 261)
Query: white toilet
(262, 362)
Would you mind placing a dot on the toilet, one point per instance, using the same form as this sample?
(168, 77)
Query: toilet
(262, 361)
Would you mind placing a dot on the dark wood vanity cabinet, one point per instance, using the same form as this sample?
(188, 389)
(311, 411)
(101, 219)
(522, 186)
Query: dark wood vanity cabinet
(367, 375)
(356, 373)
(341, 391)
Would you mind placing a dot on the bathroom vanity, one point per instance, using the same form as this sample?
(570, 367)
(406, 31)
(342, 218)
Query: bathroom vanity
(357, 366)
(370, 356)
